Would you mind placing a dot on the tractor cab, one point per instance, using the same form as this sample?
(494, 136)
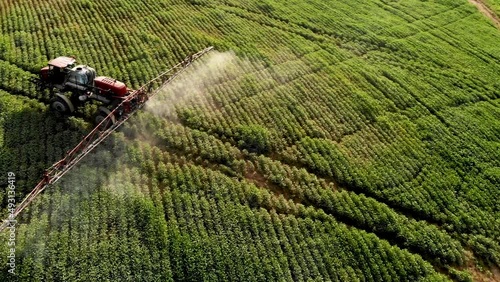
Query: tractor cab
(56, 71)
(62, 74)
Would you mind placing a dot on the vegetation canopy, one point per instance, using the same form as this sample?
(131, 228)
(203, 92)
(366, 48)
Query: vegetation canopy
(324, 140)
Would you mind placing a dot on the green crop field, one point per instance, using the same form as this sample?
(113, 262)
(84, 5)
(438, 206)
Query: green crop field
(322, 141)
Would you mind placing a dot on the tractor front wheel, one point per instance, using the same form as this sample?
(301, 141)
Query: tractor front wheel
(61, 105)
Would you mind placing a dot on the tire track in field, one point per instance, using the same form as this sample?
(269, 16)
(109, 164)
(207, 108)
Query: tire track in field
(256, 176)
(261, 181)
(486, 11)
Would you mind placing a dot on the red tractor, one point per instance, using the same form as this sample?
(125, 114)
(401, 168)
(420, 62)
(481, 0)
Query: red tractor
(74, 85)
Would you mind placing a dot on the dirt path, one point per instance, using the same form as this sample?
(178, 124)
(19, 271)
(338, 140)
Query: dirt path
(485, 10)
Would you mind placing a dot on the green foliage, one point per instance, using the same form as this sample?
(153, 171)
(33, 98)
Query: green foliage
(331, 144)
(486, 248)
(460, 276)
(366, 105)
(87, 4)
(254, 138)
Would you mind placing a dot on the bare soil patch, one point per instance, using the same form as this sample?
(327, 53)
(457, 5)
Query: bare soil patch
(485, 10)
(491, 274)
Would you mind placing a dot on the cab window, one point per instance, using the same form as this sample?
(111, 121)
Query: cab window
(78, 78)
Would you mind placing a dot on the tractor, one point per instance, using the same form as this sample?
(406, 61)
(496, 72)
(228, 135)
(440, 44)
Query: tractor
(73, 85)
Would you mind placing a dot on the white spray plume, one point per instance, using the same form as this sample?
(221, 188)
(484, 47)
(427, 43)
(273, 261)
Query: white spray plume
(191, 85)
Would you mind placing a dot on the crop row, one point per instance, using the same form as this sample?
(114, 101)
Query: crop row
(364, 212)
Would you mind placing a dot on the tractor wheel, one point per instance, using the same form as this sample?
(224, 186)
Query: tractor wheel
(101, 115)
(61, 104)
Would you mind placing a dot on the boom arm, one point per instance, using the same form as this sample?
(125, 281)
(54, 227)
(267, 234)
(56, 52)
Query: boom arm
(97, 135)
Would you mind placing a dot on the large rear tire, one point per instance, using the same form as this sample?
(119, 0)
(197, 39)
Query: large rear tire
(61, 105)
